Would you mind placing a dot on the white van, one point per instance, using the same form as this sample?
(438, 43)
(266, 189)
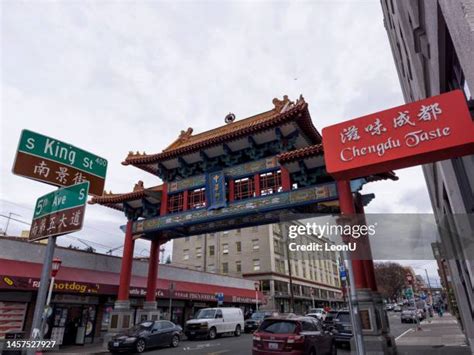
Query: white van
(213, 321)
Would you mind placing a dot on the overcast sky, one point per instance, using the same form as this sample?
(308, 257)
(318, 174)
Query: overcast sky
(110, 76)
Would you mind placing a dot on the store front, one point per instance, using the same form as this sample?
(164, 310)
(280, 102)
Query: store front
(82, 300)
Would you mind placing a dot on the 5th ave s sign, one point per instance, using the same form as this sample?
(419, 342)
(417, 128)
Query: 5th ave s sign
(58, 163)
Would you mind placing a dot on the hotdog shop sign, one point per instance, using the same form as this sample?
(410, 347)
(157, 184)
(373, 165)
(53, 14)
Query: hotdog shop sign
(421, 132)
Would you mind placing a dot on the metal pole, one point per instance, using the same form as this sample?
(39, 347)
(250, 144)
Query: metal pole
(36, 332)
(354, 308)
(51, 285)
(256, 300)
(312, 298)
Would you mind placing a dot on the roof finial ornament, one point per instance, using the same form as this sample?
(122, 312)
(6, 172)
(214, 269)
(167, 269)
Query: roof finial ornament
(184, 136)
(282, 105)
(229, 118)
(138, 186)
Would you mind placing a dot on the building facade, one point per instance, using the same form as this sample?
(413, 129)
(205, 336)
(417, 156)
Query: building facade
(432, 43)
(86, 288)
(261, 253)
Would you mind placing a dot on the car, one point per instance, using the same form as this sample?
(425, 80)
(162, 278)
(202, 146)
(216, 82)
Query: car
(343, 327)
(389, 307)
(295, 336)
(397, 309)
(146, 335)
(318, 313)
(409, 315)
(211, 322)
(328, 322)
(256, 318)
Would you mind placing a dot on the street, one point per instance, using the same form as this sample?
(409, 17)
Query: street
(243, 344)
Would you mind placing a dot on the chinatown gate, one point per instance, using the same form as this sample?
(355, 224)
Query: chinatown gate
(244, 173)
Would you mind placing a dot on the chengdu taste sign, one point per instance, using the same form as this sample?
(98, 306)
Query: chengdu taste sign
(59, 212)
(429, 130)
(49, 160)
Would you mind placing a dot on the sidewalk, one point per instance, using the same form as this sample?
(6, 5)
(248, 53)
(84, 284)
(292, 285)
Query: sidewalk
(439, 335)
(95, 348)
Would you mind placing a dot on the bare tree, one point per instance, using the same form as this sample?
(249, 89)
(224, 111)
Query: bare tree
(390, 279)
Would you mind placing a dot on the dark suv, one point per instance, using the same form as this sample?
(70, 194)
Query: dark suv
(343, 326)
(294, 335)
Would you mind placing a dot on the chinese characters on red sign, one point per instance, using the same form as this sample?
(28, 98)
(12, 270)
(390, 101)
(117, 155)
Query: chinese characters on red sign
(429, 130)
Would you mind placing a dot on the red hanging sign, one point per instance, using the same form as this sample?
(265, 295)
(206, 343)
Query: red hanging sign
(421, 132)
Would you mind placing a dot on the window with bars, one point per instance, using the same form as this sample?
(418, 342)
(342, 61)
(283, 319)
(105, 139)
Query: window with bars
(176, 202)
(197, 198)
(244, 188)
(270, 183)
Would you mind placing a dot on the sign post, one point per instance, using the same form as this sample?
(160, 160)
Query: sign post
(257, 287)
(58, 163)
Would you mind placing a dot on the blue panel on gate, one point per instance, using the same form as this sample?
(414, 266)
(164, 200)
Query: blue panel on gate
(215, 189)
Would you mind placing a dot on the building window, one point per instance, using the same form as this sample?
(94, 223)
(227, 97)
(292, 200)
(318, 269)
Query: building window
(237, 231)
(256, 264)
(211, 250)
(186, 254)
(186, 239)
(175, 203)
(238, 266)
(255, 229)
(211, 268)
(225, 268)
(255, 245)
(198, 252)
(198, 267)
(197, 198)
(270, 183)
(238, 246)
(225, 233)
(225, 248)
(244, 188)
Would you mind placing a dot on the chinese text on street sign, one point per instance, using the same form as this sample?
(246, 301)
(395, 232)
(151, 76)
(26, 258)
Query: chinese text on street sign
(54, 162)
(59, 212)
(433, 129)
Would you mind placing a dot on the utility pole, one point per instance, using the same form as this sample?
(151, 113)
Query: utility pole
(8, 221)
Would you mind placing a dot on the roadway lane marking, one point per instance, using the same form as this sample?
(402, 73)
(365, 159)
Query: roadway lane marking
(218, 352)
(405, 332)
(201, 346)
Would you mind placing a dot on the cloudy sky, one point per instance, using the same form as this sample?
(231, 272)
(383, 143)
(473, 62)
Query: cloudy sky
(114, 76)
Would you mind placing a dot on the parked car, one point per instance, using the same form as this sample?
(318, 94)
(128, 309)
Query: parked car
(389, 307)
(318, 313)
(328, 322)
(211, 322)
(256, 318)
(409, 315)
(343, 327)
(397, 308)
(146, 335)
(296, 335)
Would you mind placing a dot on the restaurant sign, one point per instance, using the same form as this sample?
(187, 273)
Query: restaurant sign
(421, 132)
(59, 212)
(58, 163)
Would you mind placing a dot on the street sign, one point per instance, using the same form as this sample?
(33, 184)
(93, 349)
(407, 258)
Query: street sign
(409, 292)
(54, 162)
(425, 131)
(220, 298)
(59, 212)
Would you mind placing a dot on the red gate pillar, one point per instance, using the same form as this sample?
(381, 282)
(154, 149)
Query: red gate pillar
(346, 205)
(126, 268)
(153, 270)
(367, 262)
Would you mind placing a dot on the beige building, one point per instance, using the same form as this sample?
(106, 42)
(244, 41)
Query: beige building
(261, 253)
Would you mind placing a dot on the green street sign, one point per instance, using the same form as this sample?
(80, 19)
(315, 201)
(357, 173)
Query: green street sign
(409, 293)
(59, 212)
(58, 163)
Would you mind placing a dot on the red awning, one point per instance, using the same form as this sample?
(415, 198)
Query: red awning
(27, 270)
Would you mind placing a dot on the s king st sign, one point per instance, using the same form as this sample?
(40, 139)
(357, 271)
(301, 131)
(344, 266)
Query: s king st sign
(421, 132)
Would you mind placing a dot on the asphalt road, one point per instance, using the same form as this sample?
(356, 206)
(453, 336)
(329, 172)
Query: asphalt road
(243, 344)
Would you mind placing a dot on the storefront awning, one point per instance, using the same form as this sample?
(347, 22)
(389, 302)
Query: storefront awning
(19, 275)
